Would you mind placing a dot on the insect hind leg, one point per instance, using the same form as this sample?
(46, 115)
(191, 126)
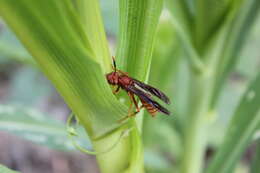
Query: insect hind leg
(131, 114)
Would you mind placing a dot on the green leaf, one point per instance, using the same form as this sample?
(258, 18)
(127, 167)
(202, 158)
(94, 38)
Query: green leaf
(53, 34)
(4, 169)
(166, 51)
(210, 15)
(255, 166)
(34, 126)
(90, 17)
(240, 130)
(182, 13)
(156, 162)
(167, 135)
(235, 38)
(138, 23)
(182, 27)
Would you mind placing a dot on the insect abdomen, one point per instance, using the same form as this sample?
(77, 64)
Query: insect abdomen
(152, 110)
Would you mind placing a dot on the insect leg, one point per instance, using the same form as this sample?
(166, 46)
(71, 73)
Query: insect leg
(117, 90)
(132, 97)
(136, 105)
(138, 110)
(129, 110)
(132, 101)
(129, 114)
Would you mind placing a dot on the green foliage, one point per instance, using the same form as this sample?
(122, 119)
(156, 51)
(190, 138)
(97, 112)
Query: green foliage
(90, 18)
(236, 34)
(255, 167)
(138, 21)
(240, 130)
(36, 127)
(70, 47)
(64, 54)
(197, 46)
(6, 170)
(211, 34)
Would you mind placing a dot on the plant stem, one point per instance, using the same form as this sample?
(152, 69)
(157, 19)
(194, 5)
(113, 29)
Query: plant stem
(194, 134)
(126, 156)
(115, 160)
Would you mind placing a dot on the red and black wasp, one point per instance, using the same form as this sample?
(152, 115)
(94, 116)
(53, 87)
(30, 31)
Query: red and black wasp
(142, 91)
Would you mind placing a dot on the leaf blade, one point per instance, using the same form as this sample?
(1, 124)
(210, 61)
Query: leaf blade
(138, 23)
(35, 127)
(64, 53)
(89, 12)
(236, 36)
(240, 130)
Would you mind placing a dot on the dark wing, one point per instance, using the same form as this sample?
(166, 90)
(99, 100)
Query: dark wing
(153, 91)
(147, 99)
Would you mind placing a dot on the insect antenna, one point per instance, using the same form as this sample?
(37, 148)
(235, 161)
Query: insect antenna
(114, 63)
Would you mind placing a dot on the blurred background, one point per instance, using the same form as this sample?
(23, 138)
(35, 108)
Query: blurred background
(25, 91)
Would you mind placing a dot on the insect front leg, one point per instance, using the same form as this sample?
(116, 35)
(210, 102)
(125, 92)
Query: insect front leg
(117, 90)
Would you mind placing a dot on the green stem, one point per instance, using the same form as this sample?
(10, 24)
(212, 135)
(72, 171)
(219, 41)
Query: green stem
(195, 132)
(126, 156)
(200, 93)
(115, 160)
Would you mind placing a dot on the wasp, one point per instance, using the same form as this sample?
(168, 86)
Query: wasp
(135, 87)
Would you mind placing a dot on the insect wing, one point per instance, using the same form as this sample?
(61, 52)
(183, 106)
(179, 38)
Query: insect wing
(143, 96)
(153, 91)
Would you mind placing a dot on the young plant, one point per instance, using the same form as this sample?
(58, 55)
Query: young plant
(67, 40)
(197, 47)
(211, 33)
